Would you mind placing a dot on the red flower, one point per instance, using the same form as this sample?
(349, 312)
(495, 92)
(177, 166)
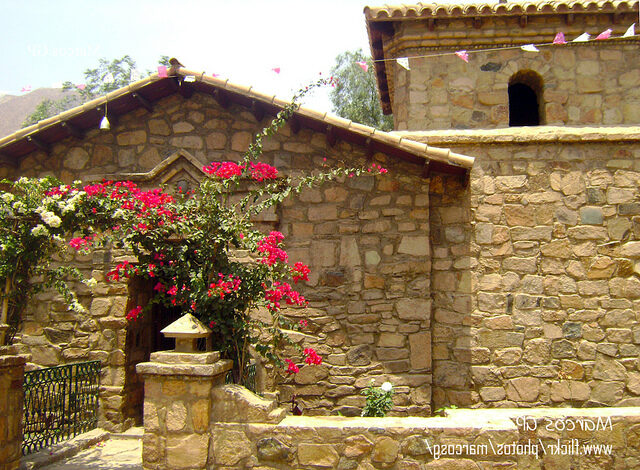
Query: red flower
(300, 272)
(134, 313)
(262, 171)
(303, 323)
(293, 368)
(224, 170)
(311, 357)
(269, 246)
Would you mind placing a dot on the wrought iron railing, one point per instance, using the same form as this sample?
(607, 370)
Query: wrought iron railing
(250, 382)
(59, 403)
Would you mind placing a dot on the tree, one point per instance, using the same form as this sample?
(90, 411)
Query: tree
(355, 95)
(106, 77)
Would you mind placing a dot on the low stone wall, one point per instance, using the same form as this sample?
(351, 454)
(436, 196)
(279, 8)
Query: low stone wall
(465, 440)
(193, 421)
(11, 400)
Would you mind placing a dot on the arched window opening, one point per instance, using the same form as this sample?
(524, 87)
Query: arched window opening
(525, 99)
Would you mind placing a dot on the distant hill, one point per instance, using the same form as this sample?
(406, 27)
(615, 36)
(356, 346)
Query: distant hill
(15, 109)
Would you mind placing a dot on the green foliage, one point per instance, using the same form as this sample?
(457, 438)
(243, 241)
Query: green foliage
(379, 400)
(443, 411)
(355, 95)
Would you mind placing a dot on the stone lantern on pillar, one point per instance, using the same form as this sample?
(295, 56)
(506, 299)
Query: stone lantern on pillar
(187, 330)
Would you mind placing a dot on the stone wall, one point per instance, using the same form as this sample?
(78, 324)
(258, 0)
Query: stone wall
(54, 335)
(583, 84)
(536, 269)
(366, 240)
(467, 440)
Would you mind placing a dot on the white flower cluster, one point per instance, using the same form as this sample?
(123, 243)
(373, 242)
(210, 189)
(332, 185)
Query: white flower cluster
(90, 282)
(40, 231)
(8, 197)
(49, 217)
(386, 387)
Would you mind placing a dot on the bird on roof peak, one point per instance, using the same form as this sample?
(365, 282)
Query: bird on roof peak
(175, 66)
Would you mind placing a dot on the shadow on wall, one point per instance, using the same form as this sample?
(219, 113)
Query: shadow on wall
(451, 288)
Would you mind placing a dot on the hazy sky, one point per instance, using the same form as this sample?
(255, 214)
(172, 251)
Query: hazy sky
(43, 43)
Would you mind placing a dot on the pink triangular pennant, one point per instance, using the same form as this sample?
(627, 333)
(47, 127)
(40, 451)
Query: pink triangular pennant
(559, 39)
(463, 55)
(215, 75)
(604, 34)
(276, 69)
(26, 89)
(81, 86)
(363, 65)
(162, 71)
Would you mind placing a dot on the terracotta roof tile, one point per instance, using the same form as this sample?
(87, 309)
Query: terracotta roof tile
(436, 10)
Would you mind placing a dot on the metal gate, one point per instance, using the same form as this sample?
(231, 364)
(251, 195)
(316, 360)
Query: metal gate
(59, 403)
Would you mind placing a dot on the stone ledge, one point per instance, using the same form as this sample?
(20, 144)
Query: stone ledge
(509, 135)
(501, 423)
(196, 370)
(173, 357)
(63, 450)
(11, 361)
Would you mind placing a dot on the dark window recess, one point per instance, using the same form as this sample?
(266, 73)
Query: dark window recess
(523, 106)
(526, 104)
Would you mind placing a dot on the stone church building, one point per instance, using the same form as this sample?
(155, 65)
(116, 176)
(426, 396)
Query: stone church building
(496, 264)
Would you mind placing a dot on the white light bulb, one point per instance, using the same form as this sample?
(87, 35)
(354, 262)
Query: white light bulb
(104, 124)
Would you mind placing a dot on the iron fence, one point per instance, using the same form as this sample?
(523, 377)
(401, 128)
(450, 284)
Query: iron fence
(59, 403)
(250, 382)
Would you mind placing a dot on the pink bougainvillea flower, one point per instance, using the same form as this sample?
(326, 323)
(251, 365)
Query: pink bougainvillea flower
(270, 249)
(300, 272)
(303, 323)
(262, 171)
(292, 368)
(312, 357)
(134, 313)
(224, 170)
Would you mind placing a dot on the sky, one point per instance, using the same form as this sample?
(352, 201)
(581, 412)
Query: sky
(46, 42)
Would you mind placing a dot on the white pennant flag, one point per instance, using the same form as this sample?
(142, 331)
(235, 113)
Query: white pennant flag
(108, 78)
(190, 78)
(529, 48)
(584, 37)
(404, 62)
(135, 75)
(630, 32)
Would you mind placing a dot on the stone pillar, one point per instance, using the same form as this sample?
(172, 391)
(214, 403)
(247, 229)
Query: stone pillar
(178, 405)
(11, 403)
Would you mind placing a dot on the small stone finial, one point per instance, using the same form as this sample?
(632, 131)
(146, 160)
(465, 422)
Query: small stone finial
(187, 330)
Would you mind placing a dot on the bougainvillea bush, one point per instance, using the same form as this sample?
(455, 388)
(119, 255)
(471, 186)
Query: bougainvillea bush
(200, 249)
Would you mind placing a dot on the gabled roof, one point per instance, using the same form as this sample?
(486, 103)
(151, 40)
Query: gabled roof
(145, 92)
(379, 21)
